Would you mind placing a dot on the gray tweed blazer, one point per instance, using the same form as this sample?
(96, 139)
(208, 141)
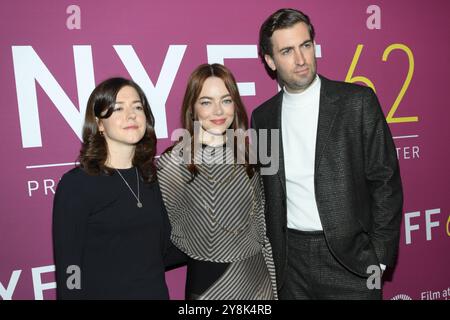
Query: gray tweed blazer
(357, 180)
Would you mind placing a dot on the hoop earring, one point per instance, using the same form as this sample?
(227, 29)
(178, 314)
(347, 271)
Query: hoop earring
(101, 133)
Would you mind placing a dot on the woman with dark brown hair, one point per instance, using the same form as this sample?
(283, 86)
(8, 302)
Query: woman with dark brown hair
(215, 199)
(110, 228)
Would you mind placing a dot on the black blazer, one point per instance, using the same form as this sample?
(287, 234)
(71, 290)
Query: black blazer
(357, 180)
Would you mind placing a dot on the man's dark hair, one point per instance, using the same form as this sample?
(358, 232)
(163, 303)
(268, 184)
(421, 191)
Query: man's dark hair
(283, 18)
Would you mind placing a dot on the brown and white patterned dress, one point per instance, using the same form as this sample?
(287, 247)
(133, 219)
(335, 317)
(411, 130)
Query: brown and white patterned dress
(219, 217)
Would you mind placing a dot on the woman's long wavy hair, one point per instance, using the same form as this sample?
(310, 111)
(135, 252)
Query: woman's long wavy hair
(94, 149)
(188, 115)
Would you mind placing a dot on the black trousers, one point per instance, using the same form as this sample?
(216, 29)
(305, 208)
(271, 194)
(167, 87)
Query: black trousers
(312, 272)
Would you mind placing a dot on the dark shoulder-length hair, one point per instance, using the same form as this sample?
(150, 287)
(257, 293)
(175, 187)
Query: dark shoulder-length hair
(189, 116)
(94, 151)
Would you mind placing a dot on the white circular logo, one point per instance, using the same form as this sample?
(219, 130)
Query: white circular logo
(401, 297)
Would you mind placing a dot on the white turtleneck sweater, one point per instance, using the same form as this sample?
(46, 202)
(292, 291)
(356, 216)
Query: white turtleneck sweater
(299, 119)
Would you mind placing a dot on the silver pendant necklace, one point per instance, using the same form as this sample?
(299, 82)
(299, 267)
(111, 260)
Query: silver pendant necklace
(139, 203)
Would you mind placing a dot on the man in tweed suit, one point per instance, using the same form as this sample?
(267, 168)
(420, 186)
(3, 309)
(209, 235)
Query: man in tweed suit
(334, 207)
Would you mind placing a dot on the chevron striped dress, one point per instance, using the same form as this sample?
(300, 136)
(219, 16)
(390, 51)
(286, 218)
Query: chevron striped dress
(219, 217)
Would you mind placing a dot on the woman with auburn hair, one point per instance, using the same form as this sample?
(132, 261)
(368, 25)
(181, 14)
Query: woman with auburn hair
(216, 202)
(111, 233)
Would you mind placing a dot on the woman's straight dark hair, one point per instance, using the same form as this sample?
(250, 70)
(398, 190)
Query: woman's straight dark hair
(94, 151)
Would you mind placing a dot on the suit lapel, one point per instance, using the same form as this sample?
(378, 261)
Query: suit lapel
(281, 172)
(328, 110)
(273, 119)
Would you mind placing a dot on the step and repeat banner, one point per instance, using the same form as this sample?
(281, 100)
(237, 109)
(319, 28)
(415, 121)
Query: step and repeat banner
(53, 53)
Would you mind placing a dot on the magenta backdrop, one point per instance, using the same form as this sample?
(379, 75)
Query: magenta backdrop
(41, 41)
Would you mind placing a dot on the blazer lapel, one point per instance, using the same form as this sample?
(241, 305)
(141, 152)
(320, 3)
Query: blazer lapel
(281, 172)
(327, 115)
(328, 110)
(273, 119)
